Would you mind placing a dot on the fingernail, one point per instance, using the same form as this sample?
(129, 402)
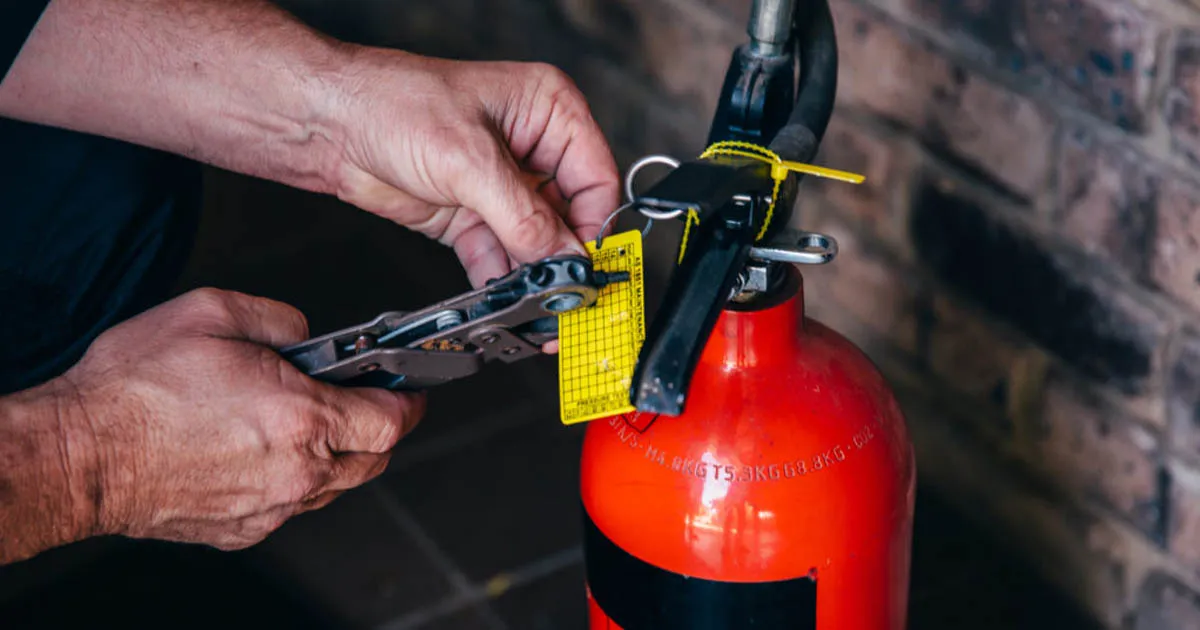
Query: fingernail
(575, 247)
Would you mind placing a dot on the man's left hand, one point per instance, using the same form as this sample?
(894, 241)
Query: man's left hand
(501, 161)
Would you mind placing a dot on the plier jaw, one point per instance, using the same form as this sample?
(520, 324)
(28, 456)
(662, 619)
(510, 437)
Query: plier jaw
(508, 319)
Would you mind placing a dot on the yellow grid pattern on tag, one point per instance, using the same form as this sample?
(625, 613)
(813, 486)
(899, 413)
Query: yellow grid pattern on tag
(599, 345)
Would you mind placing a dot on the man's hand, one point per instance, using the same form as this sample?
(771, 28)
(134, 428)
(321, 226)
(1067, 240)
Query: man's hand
(204, 434)
(454, 149)
(501, 161)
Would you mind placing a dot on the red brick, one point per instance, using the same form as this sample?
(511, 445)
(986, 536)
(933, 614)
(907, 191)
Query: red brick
(1106, 198)
(1050, 294)
(1175, 263)
(1089, 448)
(1080, 550)
(1166, 603)
(635, 122)
(992, 23)
(954, 111)
(852, 144)
(1103, 52)
(1182, 108)
(971, 354)
(737, 11)
(1183, 395)
(1026, 393)
(680, 46)
(1184, 527)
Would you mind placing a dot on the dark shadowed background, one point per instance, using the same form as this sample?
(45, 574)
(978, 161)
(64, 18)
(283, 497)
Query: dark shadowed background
(1022, 262)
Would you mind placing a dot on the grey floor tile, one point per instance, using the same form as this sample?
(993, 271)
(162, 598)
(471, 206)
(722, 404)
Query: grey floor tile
(466, 619)
(354, 559)
(556, 601)
(502, 502)
(502, 395)
(149, 584)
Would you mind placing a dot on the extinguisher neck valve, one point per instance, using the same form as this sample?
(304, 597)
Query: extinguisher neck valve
(764, 280)
(734, 254)
(797, 247)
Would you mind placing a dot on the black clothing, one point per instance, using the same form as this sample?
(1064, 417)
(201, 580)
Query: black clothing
(92, 231)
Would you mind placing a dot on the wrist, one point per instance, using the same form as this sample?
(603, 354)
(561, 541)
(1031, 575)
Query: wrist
(75, 464)
(318, 113)
(361, 96)
(53, 470)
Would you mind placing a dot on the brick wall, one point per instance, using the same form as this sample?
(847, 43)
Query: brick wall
(1027, 257)
(1023, 260)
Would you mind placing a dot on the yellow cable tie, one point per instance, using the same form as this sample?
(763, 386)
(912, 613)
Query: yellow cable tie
(692, 217)
(779, 172)
(780, 169)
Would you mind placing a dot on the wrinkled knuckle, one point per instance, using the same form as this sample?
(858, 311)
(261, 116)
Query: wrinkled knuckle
(552, 76)
(302, 485)
(290, 419)
(560, 89)
(289, 319)
(205, 295)
(480, 151)
(297, 322)
(208, 302)
(534, 231)
(308, 418)
(468, 153)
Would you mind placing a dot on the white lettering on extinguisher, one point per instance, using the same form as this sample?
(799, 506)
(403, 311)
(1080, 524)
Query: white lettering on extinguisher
(756, 473)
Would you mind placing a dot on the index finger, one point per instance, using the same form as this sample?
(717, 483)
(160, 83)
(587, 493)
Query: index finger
(559, 136)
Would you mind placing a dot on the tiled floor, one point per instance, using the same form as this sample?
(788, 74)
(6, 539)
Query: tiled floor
(475, 524)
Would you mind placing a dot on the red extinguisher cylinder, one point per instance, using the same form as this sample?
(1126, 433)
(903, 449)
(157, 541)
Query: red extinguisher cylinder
(781, 498)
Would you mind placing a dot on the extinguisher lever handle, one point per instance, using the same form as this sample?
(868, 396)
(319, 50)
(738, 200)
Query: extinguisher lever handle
(779, 92)
(718, 244)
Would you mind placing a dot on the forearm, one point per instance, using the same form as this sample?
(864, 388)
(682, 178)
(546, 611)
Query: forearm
(239, 84)
(49, 473)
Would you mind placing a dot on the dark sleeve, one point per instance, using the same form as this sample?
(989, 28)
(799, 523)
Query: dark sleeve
(17, 19)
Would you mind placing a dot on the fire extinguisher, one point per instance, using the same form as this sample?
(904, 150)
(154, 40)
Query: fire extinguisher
(766, 479)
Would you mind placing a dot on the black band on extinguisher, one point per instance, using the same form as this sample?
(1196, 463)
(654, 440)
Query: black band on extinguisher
(637, 595)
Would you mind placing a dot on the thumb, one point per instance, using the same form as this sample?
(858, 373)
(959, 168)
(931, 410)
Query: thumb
(257, 319)
(524, 222)
(369, 420)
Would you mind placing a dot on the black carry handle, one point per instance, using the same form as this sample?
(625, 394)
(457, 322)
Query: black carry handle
(723, 198)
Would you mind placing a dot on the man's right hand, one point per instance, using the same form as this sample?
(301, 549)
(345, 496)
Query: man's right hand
(203, 434)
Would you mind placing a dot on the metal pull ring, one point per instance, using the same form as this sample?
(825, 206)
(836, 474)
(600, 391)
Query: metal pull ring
(811, 248)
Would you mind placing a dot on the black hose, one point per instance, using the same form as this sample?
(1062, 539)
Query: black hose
(815, 37)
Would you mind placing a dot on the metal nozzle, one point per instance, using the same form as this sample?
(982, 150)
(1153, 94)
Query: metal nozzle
(770, 26)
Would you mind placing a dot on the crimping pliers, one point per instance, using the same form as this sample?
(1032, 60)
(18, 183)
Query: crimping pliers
(509, 319)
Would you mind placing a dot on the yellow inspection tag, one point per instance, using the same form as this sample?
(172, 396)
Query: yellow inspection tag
(598, 346)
